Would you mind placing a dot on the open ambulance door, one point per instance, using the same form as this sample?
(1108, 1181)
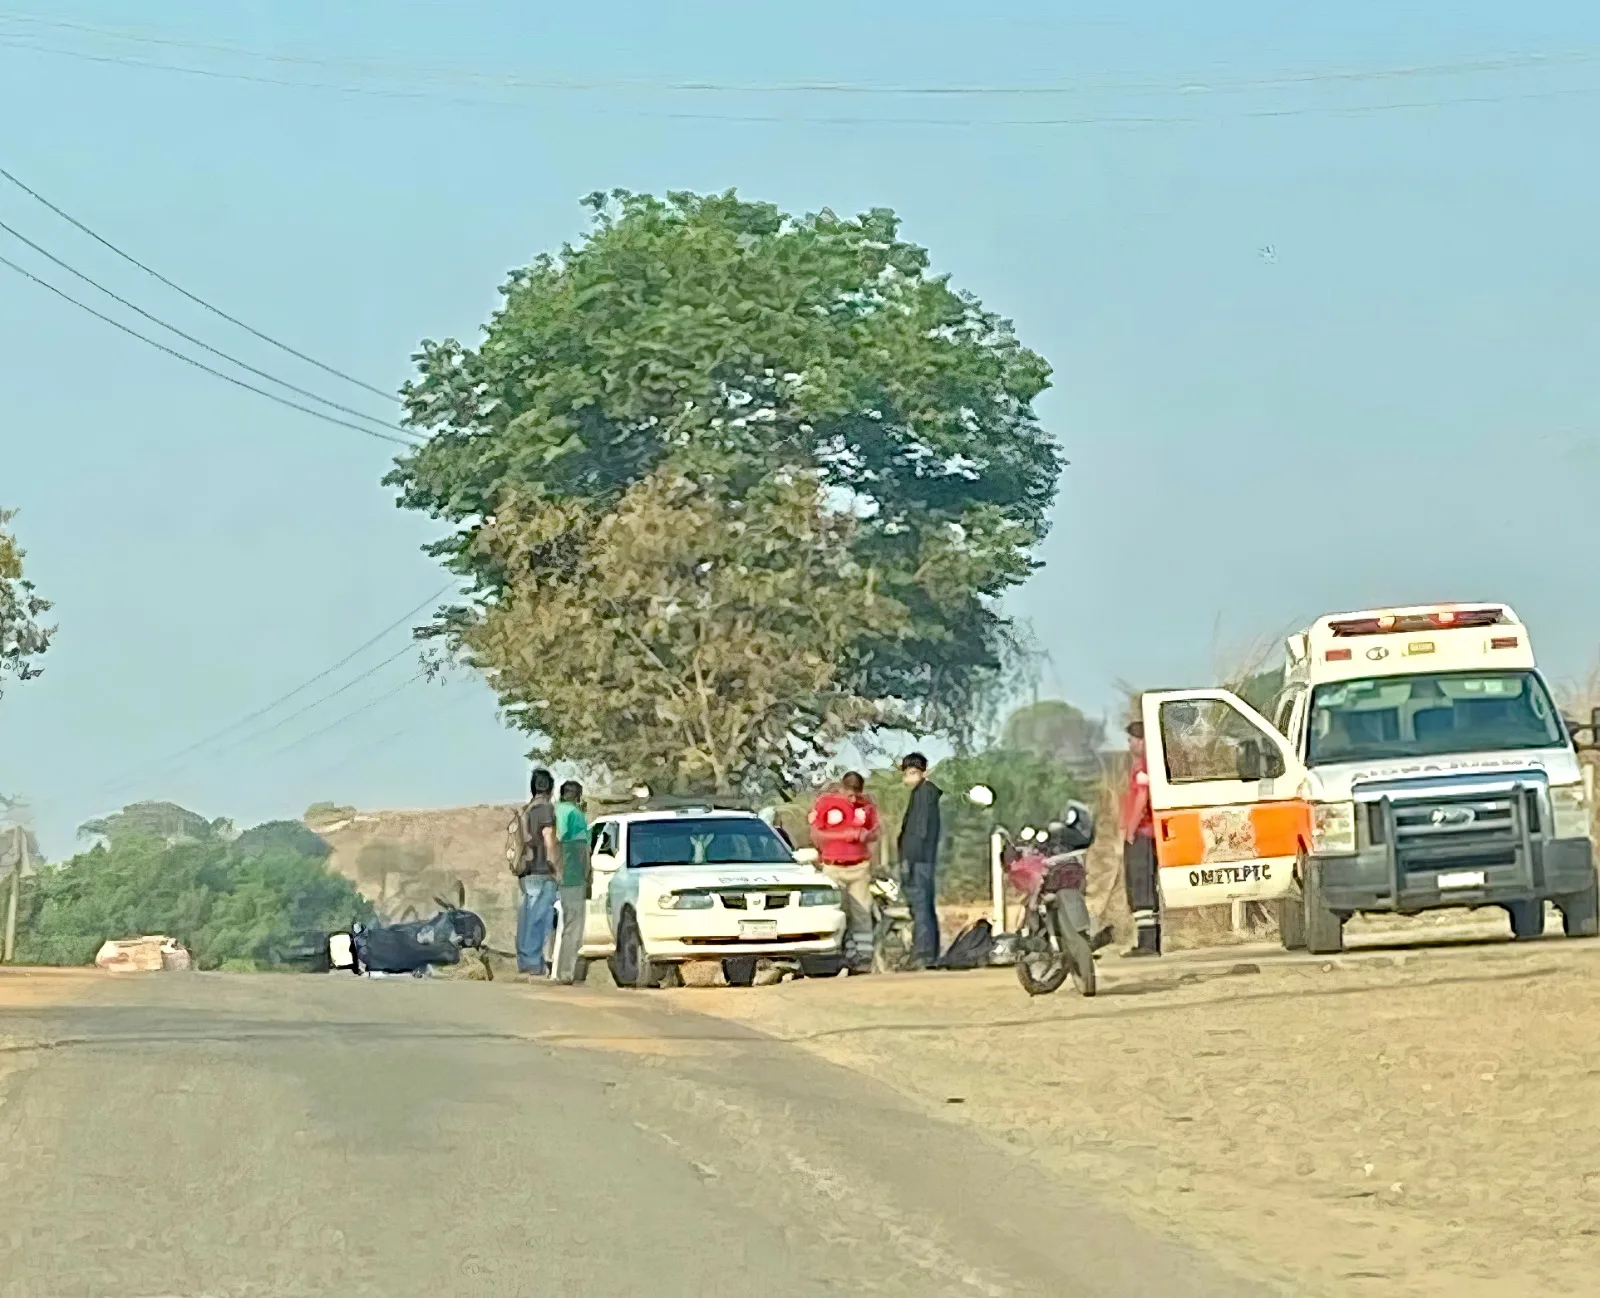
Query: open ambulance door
(1226, 797)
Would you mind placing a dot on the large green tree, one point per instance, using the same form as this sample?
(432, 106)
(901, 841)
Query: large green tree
(741, 345)
(22, 638)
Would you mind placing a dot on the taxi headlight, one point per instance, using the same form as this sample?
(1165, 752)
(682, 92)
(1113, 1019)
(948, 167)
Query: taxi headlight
(684, 901)
(1569, 809)
(820, 897)
(1333, 828)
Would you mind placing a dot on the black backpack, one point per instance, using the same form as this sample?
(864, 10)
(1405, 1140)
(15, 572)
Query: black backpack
(972, 948)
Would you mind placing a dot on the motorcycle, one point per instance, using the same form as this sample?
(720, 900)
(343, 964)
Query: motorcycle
(414, 947)
(1055, 940)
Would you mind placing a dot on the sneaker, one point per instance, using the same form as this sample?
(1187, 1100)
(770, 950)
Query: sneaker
(1135, 952)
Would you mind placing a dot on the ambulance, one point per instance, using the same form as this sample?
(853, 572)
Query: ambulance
(1414, 760)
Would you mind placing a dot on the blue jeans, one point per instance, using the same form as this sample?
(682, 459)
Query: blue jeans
(536, 912)
(919, 884)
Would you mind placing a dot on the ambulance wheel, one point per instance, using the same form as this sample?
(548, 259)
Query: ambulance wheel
(1527, 919)
(1292, 921)
(1324, 927)
(739, 971)
(1580, 912)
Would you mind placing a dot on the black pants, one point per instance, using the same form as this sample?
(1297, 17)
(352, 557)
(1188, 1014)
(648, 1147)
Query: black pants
(921, 889)
(1144, 891)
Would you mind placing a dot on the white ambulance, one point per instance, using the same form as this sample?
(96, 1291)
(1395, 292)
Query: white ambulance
(1414, 760)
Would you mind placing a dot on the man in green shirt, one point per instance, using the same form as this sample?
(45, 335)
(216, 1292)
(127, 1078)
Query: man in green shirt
(573, 832)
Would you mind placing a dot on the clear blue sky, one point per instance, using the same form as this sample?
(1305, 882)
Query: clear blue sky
(1305, 359)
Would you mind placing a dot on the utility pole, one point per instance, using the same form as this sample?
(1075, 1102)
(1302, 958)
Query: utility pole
(20, 836)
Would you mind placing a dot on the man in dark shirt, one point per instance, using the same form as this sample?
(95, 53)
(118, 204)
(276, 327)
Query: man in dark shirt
(537, 904)
(919, 856)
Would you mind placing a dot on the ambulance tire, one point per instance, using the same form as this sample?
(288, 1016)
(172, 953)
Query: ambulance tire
(1324, 927)
(1292, 921)
(1527, 919)
(1580, 912)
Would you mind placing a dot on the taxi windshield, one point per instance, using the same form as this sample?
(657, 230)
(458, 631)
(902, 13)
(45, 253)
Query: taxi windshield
(1431, 715)
(709, 840)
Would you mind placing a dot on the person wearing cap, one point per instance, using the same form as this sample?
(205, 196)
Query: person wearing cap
(1139, 850)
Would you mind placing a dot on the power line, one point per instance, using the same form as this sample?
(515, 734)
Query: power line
(307, 684)
(195, 298)
(314, 704)
(348, 716)
(201, 365)
(188, 337)
(500, 80)
(1320, 110)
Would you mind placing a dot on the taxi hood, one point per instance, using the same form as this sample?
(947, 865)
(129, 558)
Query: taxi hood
(764, 875)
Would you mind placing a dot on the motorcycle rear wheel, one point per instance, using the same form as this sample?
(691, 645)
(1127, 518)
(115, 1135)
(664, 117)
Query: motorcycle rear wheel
(1042, 965)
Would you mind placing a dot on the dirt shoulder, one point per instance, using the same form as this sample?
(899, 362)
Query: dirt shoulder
(24, 989)
(1412, 1123)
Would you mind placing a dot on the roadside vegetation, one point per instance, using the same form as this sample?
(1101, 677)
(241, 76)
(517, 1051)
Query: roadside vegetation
(236, 901)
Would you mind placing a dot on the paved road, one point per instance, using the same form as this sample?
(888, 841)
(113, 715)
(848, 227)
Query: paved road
(234, 1137)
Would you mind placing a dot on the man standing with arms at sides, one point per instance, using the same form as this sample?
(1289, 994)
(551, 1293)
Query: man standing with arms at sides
(919, 856)
(572, 832)
(1139, 873)
(538, 874)
(844, 824)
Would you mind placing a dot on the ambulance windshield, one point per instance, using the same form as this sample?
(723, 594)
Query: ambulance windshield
(1430, 716)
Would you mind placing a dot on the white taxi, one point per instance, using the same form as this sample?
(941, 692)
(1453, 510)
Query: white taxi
(686, 883)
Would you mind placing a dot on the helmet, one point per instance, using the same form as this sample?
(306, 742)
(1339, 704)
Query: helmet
(1074, 831)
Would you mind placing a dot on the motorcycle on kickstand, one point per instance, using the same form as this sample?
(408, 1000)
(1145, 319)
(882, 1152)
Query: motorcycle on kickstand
(1055, 940)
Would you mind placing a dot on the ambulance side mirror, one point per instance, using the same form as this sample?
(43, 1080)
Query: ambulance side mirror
(1258, 762)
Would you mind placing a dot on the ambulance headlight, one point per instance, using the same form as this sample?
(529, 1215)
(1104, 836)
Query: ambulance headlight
(1333, 828)
(1569, 808)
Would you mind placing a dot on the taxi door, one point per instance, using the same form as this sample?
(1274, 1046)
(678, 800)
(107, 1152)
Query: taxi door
(604, 859)
(1226, 798)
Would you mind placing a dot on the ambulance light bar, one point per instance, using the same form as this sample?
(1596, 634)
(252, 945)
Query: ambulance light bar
(1448, 619)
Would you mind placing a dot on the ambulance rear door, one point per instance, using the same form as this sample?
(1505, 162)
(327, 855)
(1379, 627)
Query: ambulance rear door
(1226, 798)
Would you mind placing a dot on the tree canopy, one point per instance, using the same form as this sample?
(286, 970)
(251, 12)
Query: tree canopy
(816, 362)
(1055, 730)
(166, 822)
(22, 638)
(282, 836)
(682, 636)
(228, 907)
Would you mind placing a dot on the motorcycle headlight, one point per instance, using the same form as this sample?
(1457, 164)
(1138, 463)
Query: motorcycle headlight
(820, 896)
(1333, 828)
(684, 901)
(1569, 808)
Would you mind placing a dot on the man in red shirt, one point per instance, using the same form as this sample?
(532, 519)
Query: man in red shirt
(844, 825)
(1139, 871)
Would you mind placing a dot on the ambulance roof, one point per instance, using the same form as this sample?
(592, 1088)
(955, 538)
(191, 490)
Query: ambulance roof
(1412, 639)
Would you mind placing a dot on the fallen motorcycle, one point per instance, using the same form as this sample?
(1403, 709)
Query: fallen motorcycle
(1055, 940)
(413, 947)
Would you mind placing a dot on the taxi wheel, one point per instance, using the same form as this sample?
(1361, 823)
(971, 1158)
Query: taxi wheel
(739, 971)
(632, 966)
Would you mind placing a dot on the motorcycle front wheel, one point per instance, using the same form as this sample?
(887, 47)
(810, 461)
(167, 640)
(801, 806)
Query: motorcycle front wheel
(1042, 964)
